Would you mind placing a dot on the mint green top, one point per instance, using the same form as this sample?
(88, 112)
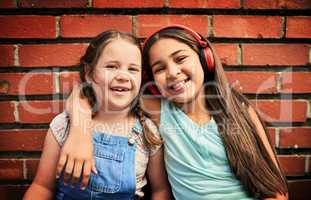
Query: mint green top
(195, 158)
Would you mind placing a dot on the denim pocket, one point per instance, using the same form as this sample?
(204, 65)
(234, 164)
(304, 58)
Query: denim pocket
(109, 164)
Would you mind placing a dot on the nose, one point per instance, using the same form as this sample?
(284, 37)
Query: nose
(173, 70)
(122, 76)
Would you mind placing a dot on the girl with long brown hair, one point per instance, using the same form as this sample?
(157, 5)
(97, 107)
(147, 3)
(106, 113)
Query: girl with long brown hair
(215, 143)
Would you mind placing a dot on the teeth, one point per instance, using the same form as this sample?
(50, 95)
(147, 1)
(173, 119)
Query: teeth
(180, 84)
(120, 89)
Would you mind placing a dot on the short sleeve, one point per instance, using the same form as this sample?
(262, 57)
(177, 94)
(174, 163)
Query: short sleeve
(155, 131)
(59, 127)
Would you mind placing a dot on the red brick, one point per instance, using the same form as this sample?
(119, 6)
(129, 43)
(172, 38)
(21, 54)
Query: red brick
(299, 189)
(275, 54)
(51, 54)
(7, 4)
(27, 26)
(22, 139)
(298, 27)
(10, 192)
(297, 137)
(128, 4)
(31, 167)
(67, 80)
(39, 111)
(261, 82)
(92, 25)
(277, 4)
(271, 135)
(147, 24)
(11, 169)
(227, 53)
(28, 83)
(204, 4)
(7, 112)
(6, 55)
(247, 26)
(296, 82)
(282, 110)
(53, 3)
(292, 165)
(4, 87)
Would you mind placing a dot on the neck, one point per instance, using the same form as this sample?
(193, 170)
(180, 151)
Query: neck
(196, 109)
(112, 115)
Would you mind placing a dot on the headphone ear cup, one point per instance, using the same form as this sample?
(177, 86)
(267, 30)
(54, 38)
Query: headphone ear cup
(209, 59)
(203, 58)
(205, 62)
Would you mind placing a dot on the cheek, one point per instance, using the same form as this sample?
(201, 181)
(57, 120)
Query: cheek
(137, 82)
(102, 78)
(160, 80)
(200, 74)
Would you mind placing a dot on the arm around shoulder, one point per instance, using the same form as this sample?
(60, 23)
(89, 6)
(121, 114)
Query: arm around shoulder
(77, 152)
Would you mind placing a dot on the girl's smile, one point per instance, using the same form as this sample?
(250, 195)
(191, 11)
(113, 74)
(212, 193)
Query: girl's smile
(177, 70)
(179, 86)
(117, 75)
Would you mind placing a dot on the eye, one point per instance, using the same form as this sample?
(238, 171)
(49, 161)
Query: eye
(158, 69)
(134, 69)
(111, 66)
(180, 59)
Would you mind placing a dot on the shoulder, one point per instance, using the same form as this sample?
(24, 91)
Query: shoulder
(151, 106)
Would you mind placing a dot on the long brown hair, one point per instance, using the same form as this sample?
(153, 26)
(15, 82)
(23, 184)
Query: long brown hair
(246, 153)
(87, 65)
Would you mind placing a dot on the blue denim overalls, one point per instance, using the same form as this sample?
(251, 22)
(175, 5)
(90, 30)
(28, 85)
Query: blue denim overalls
(115, 163)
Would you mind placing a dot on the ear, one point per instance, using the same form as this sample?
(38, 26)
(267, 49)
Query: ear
(86, 73)
(87, 78)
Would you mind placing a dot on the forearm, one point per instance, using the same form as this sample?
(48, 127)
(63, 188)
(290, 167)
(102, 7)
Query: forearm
(37, 191)
(77, 152)
(79, 111)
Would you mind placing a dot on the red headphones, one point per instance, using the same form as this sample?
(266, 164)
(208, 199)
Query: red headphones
(206, 55)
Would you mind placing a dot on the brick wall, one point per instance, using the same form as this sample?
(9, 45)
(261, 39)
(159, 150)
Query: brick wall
(264, 45)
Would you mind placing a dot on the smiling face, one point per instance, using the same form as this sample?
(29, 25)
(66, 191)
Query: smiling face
(116, 77)
(176, 69)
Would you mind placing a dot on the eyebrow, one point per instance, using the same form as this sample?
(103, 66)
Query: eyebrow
(172, 54)
(117, 62)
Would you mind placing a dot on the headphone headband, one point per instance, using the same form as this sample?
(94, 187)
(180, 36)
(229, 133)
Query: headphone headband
(198, 37)
(203, 44)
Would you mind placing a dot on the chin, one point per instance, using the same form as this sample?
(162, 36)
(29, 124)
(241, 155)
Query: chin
(116, 106)
(182, 98)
